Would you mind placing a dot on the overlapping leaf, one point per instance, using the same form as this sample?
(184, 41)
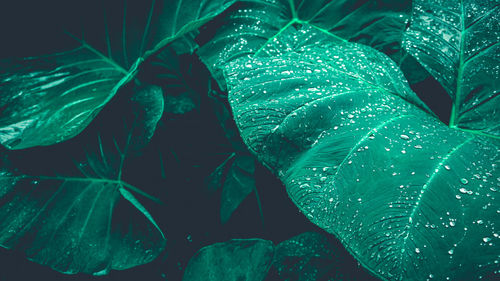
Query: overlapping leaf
(458, 43)
(48, 99)
(234, 260)
(69, 206)
(360, 156)
(378, 23)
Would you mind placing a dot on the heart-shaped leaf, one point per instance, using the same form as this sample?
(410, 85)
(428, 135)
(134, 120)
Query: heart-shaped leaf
(363, 159)
(234, 260)
(69, 206)
(458, 43)
(378, 23)
(48, 99)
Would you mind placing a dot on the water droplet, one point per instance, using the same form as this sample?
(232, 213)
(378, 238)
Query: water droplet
(417, 250)
(464, 181)
(405, 137)
(450, 252)
(447, 167)
(486, 239)
(463, 190)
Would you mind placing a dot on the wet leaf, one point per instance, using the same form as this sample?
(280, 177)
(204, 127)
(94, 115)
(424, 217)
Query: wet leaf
(305, 257)
(234, 260)
(458, 43)
(48, 99)
(364, 159)
(69, 206)
(247, 30)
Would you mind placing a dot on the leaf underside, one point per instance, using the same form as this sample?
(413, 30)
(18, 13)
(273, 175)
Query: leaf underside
(363, 159)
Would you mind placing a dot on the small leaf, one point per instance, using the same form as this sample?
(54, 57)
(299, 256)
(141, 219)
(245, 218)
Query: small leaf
(306, 257)
(238, 184)
(234, 260)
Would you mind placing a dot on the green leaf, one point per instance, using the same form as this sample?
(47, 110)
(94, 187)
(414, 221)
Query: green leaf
(378, 23)
(238, 184)
(360, 156)
(49, 99)
(306, 257)
(458, 43)
(71, 207)
(234, 260)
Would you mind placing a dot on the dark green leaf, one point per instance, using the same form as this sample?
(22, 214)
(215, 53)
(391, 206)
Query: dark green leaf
(458, 43)
(306, 257)
(378, 23)
(179, 80)
(69, 206)
(49, 99)
(409, 197)
(234, 260)
(238, 184)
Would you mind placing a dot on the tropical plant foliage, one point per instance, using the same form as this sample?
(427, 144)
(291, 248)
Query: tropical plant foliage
(147, 136)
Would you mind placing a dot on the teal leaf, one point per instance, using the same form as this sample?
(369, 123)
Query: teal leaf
(238, 184)
(458, 43)
(70, 206)
(255, 23)
(309, 257)
(234, 260)
(49, 99)
(409, 197)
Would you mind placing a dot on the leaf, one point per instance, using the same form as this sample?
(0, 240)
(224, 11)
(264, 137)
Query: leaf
(360, 156)
(377, 23)
(238, 184)
(458, 43)
(69, 206)
(234, 260)
(49, 99)
(305, 257)
(180, 79)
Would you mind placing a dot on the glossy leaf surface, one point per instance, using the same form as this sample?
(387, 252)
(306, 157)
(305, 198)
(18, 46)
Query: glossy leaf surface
(234, 260)
(305, 257)
(378, 23)
(69, 206)
(458, 43)
(49, 99)
(363, 159)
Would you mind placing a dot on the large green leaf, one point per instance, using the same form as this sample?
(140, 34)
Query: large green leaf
(458, 43)
(378, 23)
(69, 206)
(48, 99)
(409, 197)
(234, 260)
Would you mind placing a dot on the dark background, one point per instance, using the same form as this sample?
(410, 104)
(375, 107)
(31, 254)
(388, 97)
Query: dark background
(192, 145)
